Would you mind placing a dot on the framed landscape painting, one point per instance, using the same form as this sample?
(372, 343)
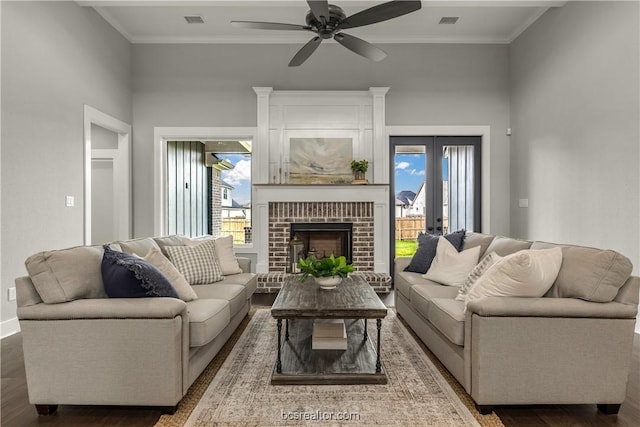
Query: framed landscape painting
(320, 160)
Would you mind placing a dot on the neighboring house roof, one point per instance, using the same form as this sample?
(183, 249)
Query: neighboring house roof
(225, 184)
(234, 205)
(406, 197)
(420, 197)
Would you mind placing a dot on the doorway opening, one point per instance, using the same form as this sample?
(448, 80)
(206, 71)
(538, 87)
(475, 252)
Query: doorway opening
(107, 180)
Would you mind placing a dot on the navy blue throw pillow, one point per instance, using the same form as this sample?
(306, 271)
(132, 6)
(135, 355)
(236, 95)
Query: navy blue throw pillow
(426, 252)
(127, 276)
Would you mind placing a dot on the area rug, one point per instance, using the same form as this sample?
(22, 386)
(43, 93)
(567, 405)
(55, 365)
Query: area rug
(241, 393)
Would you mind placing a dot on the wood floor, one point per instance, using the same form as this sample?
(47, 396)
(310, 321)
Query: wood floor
(17, 412)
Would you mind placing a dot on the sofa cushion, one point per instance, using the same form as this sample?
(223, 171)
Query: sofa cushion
(405, 280)
(506, 245)
(162, 263)
(427, 244)
(476, 273)
(207, 318)
(447, 315)
(164, 241)
(197, 263)
(527, 273)
(138, 246)
(67, 274)
(248, 280)
(589, 274)
(421, 295)
(129, 276)
(472, 239)
(235, 294)
(451, 267)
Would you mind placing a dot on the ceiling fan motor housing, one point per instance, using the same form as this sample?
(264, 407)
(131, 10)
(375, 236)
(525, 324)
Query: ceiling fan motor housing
(327, 29)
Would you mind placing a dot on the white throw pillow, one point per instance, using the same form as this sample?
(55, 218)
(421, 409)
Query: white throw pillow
(227, 256)
(162, 263)
(526, 273)
(224, 253)
(475, 274)
(451, 267)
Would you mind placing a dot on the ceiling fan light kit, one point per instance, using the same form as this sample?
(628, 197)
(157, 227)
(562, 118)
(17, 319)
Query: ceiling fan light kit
(328, 21)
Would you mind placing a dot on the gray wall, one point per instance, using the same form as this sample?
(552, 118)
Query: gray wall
(210, 85)
(575, 116)
(56, 56)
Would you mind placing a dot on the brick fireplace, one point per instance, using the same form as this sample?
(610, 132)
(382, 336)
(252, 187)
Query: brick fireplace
(359, 215)
(364, 207)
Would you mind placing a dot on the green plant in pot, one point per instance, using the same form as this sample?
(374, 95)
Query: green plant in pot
(327, 267)
(359, 168)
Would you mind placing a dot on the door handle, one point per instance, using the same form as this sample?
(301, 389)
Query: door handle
(438, 219)
(439, 228)
(429, 228)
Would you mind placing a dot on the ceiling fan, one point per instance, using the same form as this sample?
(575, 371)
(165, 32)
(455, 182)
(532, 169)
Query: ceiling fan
(328, 21)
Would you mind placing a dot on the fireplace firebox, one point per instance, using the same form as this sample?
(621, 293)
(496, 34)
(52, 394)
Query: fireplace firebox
(324, 239)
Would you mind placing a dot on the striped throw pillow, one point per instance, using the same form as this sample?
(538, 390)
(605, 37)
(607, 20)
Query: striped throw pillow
(475, 274)
(197, 264)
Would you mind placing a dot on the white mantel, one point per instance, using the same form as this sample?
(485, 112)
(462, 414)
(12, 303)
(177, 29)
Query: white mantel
(377, 194)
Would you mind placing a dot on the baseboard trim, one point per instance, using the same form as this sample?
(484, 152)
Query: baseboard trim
(9, 327)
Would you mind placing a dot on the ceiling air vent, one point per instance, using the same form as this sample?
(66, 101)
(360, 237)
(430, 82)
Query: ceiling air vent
(194, 19)
(450, 20)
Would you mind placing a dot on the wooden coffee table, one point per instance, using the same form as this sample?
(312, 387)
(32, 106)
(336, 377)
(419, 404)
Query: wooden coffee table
(298, 304)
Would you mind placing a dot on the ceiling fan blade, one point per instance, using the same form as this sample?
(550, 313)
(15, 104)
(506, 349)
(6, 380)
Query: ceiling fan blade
(379, 13)
(320, 9)
(360, 47)
(305, 52)
(270, 26)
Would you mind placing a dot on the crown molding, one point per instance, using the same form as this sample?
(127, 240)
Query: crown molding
(295, 41)
(522, 28)
(114, 23)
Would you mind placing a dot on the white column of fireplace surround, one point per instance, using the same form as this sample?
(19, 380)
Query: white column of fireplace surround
(367, 127)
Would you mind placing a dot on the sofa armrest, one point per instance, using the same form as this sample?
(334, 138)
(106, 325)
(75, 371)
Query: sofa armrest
(550, 307)
(106, 308)
(401, 262)
(245, 264)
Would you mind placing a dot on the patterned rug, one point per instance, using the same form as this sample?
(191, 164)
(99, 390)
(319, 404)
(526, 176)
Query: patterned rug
(241, 394)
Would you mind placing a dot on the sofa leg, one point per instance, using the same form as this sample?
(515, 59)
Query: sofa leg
(46, 409)
(609, 408)
(484, 409)
(168, 410)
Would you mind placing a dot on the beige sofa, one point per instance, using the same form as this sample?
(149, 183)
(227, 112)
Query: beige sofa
(550, 350)
(95, 350)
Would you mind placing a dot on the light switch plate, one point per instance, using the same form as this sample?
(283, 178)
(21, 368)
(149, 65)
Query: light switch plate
(70, 201)
(523, 203)
(12, 294)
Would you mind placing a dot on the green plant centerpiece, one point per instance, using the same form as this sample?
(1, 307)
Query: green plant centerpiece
(359, 168)
(330, 267)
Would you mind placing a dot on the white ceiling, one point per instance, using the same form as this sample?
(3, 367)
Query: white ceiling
(153, 21)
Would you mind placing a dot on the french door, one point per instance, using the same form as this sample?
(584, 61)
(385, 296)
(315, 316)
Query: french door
(436, 187)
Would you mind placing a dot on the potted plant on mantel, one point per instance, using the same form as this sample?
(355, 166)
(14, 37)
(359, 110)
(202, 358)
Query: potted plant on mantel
(359, 168)
(327, 271)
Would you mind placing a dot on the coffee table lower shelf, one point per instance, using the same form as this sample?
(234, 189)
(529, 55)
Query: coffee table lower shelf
(303, 366)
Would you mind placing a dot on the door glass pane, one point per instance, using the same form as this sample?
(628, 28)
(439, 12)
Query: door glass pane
(458, 189)
(236, 198)
(410, 189)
